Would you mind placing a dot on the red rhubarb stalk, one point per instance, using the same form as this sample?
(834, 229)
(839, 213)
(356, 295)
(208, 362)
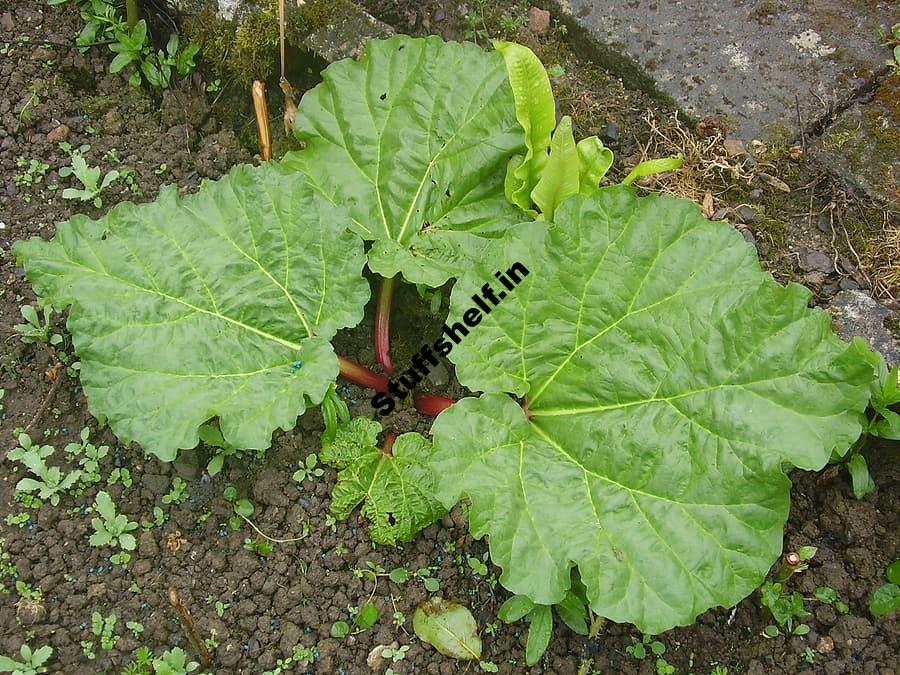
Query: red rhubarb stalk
(388, 443)
(432, 404)
(383, 324)
(362, 376)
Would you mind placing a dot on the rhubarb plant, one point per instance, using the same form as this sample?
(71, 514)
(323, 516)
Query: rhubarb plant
(666, 381)
(220, 305)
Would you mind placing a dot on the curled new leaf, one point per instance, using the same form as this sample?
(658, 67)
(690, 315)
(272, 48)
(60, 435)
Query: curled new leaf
(667, 381)
(413, 139)
(536, 113)
(394, 487)
(220, 304)
(560, 176)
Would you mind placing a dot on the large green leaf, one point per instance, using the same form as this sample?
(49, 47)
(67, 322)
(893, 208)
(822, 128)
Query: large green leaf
(414, 139)
(394, 488)
(667, 380)
(221, 304)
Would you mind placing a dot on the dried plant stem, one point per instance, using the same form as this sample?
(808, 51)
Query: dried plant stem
(187, 622)
(261, 108)
(57, 378)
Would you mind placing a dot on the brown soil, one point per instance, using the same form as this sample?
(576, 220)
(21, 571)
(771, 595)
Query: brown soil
(295, 594)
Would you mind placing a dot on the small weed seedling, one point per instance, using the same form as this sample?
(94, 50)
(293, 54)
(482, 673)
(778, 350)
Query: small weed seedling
(34, 172)
(211, 436)
(122, 476)
(362, 619)
(572, 611)
(399, 575)
(886, 598)
(785, 609)
(32, 661)
(33, 330)
(105, 629)
(477, 565)
(157, 69)
(141, 664)
(178, 493)
(308, 470)
(259, 546)
(17, 519)
(27, 592)
(111, 529)
(87, 648)
(89, 177)
(50, 482)
(829, 596)
(300, 658)
(174, 662)
(892, 40)
(89, 456)
(159, 518)
(135, 627)
(395, 655)
(243, 508)
(639, 649)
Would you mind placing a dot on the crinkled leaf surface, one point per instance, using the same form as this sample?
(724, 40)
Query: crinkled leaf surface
(220, 304)
(667, 378)
(395, 489)
(414, 139)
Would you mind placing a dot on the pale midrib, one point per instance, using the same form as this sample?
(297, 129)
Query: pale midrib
(434, 160)
(106, 274)
(559, 412)
(606, 479)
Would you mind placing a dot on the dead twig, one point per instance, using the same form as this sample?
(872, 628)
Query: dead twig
(261, 108)
(187, 622)
(56, 377)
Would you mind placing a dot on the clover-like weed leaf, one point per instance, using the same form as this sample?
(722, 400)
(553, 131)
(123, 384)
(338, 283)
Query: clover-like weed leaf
(394, 486)
(220, 304)
(667, 380)
(414, 139)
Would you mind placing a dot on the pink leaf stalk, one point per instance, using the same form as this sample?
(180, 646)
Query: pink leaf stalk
(383, 324)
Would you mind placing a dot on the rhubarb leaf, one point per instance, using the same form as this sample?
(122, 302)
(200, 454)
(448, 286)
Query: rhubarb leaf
(413, 139)
(560, 176)
(220, 304)
(667, 380)
(395, 488)
(595, 159)
(536, 112)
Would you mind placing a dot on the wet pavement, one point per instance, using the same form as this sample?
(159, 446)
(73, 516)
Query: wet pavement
(764, 65)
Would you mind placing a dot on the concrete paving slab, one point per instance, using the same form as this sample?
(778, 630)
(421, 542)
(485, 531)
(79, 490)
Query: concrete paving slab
(750, 60)
(862, 146)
